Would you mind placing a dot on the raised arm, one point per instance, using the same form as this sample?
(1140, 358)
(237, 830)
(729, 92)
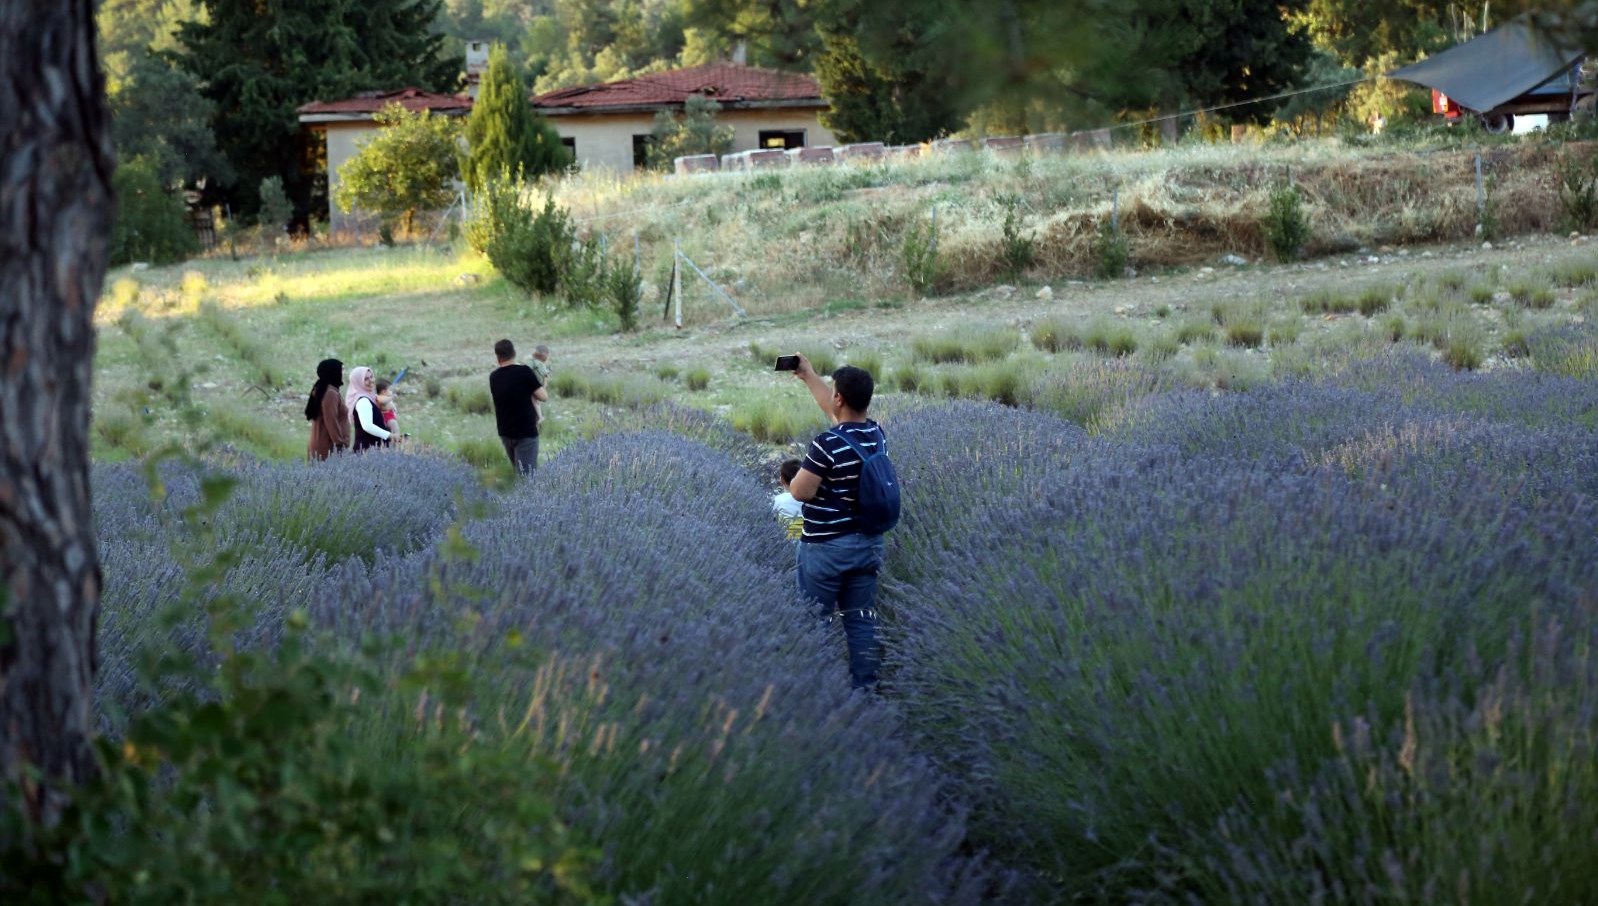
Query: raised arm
(818, 388)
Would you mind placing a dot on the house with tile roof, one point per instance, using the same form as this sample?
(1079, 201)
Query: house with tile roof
(608, 126)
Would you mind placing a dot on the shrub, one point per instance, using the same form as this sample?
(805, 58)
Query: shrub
(919, 255)
(626, 291)
(1110, 338)
(1463, 350)
(473, 398)
(697, 379)
(1243, 323)
(666, 371)
(1055, 334)
(1569, 351)
(1374, 300)
(1575, 274)
(276, 209)
(1394, 327)
(868, 359)
(910, 377)
(150, 224)
(1088, 392)
(1287, 228)
(1328, 301)
(1016, 251)
(530, 249)
(1110, 252)
(965, 344)
(1194, 330)
(1578, 190)
(1115, 602)
(584, 274)
(784, 419)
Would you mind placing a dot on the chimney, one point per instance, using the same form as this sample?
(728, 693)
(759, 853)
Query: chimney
(740, 53)
(476, 65)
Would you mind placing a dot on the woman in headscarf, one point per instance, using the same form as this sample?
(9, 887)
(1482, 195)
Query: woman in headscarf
(362, 401)
(330, 420)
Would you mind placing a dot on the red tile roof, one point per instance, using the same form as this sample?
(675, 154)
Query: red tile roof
(369, 102)
(728, 83)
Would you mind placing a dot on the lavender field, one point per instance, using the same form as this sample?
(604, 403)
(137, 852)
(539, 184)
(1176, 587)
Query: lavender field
(1329, 640)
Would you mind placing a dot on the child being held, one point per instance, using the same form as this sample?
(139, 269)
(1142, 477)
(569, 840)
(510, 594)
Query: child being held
(540, 368)
(385, 406)
(789, 510)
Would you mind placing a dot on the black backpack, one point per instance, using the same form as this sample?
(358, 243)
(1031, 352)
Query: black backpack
(877, 502)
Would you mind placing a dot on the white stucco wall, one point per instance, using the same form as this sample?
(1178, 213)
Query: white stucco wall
(606, 140)
(343, 140)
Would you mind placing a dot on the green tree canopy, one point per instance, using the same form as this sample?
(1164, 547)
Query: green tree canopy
(259, 62)
(695, 132)
(409, 165)
(158, 113)
(505, 136)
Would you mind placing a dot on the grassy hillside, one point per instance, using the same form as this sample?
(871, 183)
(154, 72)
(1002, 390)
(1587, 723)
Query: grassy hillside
(815, 257)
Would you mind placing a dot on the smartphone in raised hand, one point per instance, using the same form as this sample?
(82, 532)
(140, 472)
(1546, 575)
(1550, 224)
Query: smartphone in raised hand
(787, 363)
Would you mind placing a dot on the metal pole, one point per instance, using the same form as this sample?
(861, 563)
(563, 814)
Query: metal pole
(676, 279)
(713, 285)
(637, 267)
(934, 232)
(1115, 209)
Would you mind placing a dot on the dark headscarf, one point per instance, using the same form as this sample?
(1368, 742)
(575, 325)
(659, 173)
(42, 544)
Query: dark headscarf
(329, 373)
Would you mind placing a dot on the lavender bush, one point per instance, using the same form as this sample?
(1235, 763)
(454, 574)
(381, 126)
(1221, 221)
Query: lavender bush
(1123, 662)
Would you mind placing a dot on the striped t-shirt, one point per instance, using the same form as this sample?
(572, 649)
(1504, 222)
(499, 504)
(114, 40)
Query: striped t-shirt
(831, 512)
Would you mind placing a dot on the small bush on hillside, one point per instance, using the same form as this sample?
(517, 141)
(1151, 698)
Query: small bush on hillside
(626, 291)
(1578, 190)
(970, 345)
(868, 360)
(1016, 250)
(919, 256)
(276, 209)
(1287, 228)
(1110, 252)
(470, 399)
(697, 378)
(1055, 335)
(1573, 274)
(666, 371)
(1374, 299)
(1110, 338)
(531, 249)
(150, 224)
(584, 276)
(1328, 301)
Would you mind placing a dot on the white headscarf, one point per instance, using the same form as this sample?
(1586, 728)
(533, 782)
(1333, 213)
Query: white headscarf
(358, 389)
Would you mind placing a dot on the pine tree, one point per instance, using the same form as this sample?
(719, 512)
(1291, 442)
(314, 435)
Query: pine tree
(885, 84)
(504, 134)
(259, 62)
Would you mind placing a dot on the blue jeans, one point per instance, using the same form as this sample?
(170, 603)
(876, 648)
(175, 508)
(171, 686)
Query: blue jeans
(841, 576)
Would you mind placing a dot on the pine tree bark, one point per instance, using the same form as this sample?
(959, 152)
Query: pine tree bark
(56, 207)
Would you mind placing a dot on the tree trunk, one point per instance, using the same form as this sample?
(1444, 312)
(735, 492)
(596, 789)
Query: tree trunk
(55, 217)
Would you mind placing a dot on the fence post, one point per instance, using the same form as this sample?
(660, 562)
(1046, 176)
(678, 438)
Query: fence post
(676, 279)
(637, 267)
(934, 232)
(1115, 209)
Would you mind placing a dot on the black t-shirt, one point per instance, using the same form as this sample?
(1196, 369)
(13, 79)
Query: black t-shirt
(512, 387)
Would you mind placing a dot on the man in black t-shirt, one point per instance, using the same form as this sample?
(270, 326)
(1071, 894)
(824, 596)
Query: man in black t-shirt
(514, 388)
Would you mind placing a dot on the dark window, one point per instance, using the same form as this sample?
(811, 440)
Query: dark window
(641, 145)
(782, 138)
(571, 147)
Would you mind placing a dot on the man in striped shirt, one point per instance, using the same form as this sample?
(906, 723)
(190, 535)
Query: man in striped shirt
(838, 563)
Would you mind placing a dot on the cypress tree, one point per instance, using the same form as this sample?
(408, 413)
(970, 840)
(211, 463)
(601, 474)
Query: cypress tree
(505, 136)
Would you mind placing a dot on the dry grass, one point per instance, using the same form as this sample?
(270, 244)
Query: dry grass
(786, 241)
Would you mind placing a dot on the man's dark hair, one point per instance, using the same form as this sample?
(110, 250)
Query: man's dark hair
(855, 386)
(788, 469)
(505, 350)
